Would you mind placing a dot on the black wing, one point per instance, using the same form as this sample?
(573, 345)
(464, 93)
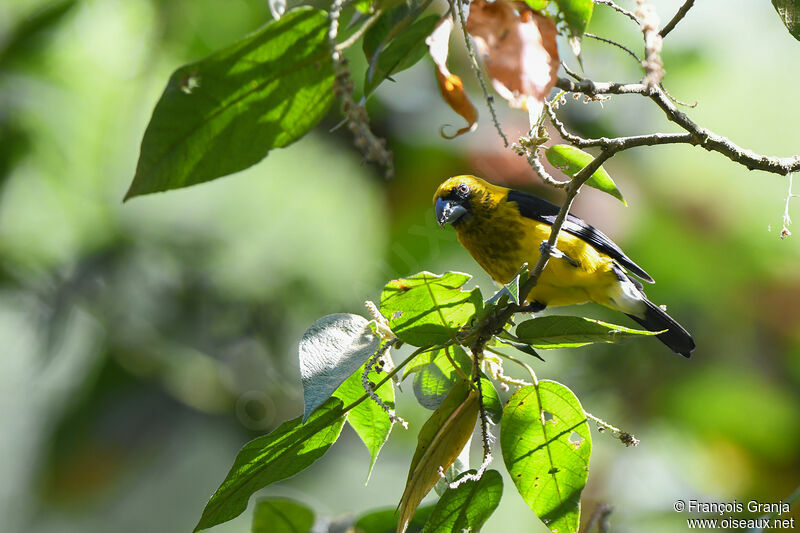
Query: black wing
(531, 206)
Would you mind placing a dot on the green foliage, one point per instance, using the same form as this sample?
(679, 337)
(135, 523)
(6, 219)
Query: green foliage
(279, 515)
(468, 506)
(292, 447)
(537, 4)
(227, 111)
(368, 419)
(434, 380)
(427, 309)
(577, 13)
(331, 349)
(548, 467)
(570, 160)
(395, 43)
(385, 521)
(789, 11)
(555, 331)
(439, 443)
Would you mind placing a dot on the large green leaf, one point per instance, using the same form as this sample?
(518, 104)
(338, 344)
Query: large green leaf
(224, 113)
(468, 506)
(290, 448)
(429, 309)
(570, 160)
(368, 418)
(385, 521)
(546, 447)
(279, 515)
(433, 381)
(577, 13)
(789, 11)
(402, 52)
(331, 349)
(439, 442)
(556, 331)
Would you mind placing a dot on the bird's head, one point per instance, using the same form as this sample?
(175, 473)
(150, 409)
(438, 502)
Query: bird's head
(457, 199)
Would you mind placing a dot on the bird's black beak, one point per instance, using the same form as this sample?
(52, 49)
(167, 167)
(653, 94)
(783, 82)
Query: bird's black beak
(448, 211)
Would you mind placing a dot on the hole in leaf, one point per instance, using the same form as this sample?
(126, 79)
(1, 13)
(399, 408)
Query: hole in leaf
(575, 439)
(547, 416)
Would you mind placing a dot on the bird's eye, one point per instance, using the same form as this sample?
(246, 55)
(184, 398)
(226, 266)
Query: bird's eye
(463, 189)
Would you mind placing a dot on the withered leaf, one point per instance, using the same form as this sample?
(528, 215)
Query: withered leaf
(519, 49)
(450, 85)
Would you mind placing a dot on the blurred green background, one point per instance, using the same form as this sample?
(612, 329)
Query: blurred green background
(144, 343)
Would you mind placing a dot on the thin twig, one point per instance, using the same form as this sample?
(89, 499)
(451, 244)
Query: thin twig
(687, 5)
(600, 518)
(360, 31)
(571, 72)
(786, 220)
(675, 100)
(614, 43)
(624, 437)
(455, 5)
(699, 135)
(790, 500)
(619, 9)
(371, 388)
(389, 375)
(486, 436)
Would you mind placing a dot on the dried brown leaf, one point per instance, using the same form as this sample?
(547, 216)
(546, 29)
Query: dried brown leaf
(519, 49)
(450, 85)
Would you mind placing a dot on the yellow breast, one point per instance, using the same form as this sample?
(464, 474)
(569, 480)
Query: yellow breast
(506, 240)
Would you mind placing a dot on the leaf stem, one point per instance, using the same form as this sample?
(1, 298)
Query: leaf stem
(350, 41)
(389, 375)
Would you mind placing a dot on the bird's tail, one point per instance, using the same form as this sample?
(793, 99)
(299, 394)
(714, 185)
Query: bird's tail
(676, 337)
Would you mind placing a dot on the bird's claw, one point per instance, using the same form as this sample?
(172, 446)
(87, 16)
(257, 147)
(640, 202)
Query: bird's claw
(552, 251)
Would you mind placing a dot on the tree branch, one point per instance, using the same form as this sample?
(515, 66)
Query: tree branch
(698, 135)
(618, 9)
(455, 6)
(677, 18)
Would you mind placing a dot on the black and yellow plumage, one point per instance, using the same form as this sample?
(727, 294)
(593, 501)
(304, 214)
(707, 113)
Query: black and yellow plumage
(503, 228)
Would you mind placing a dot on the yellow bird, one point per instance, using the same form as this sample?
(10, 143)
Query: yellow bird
(502, 229)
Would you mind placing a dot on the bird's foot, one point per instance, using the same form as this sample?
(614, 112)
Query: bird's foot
(552, 251)
(533, 307)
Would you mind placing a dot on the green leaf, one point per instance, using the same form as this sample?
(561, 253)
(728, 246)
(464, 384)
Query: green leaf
(401, 53)
(491, 400)
(537, 5)
(577, 14)
(789, 11)
(224, 113)
(439, 442)
(364, 6)
(393, 21)
(433, 382)
(511, 289)
(547, 456)
(368, 419)
(467, 507)
(290, 448)
(556, 331)
(385, 521)
(429, 309)
(570, 160)
(25, 35)
(279, 515)
(331, 349)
